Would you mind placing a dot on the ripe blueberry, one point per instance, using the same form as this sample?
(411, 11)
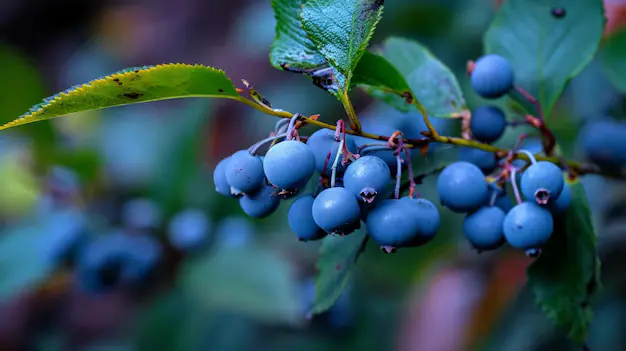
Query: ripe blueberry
(189, 229)
(300, 218)
(604, 144)
(321, 143)
(487, 124)
(337, 211)
(462, 187)
(244, 172)
(289, 164)
(367, 178)
(483, 228)
(492, 77)
(381, 128)
(528, 226)
(563, 202)
(428, 220)
(261, 203)
(484, 160)
(219, 178)
(542, 182)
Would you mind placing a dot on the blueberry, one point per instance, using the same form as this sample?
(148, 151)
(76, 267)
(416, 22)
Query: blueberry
(244, 172)
(532, 145)
(219, 178)
(503, 201)
(428, 220)
(378, 127)
(391, 224)
(487, 124)
(484, 160)
(67, 233)
(367, 178)
(189, 229)
(261, 203)
(563, 202)
(462, 187)
(101, 262)
(528, 226)
(321, 143)
(337, 211)
(492, 77)
(300, 218)
(604, 144)
(483, 228)
(542, 182)
(234, 232)
(289, 164)
(141, 213)
(143, 255)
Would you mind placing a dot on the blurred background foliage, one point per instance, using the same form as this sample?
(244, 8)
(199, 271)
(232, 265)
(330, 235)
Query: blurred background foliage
(221, 281)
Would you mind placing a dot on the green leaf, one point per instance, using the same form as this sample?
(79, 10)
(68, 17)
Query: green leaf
(614, 59)
(24, 260)
(131, 86)
(566, 277)
(375, 71)
(341, 30)
(546, 51)
(430, 81)
(337, 258)
(292, 46)
(250, 280)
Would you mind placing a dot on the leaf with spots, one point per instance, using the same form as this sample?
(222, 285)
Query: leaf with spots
(292, 47)
(566, 277)
(546, 50)
(337, 259)
(131, 86)
(341, 30)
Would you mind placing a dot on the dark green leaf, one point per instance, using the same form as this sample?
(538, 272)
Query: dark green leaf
(566, 277)
(337, 258)
(430, 81)
(341, 30)
(291, 45)
(375, 71)
(546, 51)
(614, 58)
(250, 280)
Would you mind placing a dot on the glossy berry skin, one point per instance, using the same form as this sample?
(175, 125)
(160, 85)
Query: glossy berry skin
(504, 202)
(337, 211)
(261, 203)
(487, 124)
(244, 172)
(300, 219)
(542, 182)
(462, 187)
(323, 141)
(428, 220)
(368, 178)
(528, 226)
(532, 145)
(604, 144)
(483, 228)
(484, 160)
(563, 202)
(391, 224)
(219, 178)
(189, 229)
(289, 164)
(492, 76)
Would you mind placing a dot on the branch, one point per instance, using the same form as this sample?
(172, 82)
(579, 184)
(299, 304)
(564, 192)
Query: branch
(574, 167)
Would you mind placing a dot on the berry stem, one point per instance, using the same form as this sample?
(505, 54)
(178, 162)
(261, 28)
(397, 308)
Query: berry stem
(292, 124)
(280, 125)
(336, 164)
(531, 157)
(396, 192)
(254, 148)
(412, 184)
(531, 99)
(513, 181)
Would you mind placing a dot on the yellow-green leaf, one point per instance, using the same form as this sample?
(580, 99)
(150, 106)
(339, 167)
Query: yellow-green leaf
(131, 86)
